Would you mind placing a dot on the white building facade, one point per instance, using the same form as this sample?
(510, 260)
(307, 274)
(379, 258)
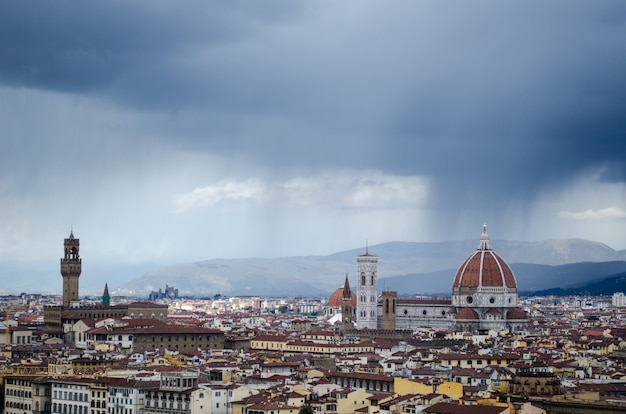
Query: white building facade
(126, 399)
(367, 291)
(70, 396)
(619, 299)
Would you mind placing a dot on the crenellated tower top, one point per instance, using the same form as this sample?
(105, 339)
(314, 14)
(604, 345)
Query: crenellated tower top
(71, 268)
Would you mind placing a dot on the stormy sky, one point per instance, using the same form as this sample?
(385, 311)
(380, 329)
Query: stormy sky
(183, 131)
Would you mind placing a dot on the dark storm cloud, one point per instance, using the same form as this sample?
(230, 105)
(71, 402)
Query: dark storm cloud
(496, 98)
(77, 47)
(539, 101)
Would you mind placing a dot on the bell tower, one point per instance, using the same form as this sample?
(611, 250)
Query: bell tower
(389, 310)
(71, 267)
(346, 306)
(367, 291)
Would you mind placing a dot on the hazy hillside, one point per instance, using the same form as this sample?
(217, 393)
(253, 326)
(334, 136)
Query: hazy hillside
(421, 267)
(603, 286)
(530, 277)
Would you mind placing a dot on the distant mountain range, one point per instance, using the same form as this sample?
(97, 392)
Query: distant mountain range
(531, 278)
(406, 267)
(601, 286)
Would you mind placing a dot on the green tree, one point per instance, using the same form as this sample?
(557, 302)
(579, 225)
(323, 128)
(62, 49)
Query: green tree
(306, 409)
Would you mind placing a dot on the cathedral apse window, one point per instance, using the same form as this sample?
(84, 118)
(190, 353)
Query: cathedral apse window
(424, 312)
(492, 300)
(443, 313)
(470, 299)
(406, 312)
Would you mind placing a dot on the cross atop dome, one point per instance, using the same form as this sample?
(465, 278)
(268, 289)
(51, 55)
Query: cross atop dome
(484, 240)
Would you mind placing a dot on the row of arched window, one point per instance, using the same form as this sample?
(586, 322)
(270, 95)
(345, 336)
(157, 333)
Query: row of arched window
(25, 406)
(18, 405)
(69, 409)
(19, 393)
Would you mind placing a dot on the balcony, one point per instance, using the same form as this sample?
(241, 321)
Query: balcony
(149, 410)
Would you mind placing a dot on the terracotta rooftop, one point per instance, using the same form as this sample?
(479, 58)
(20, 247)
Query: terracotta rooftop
(467, 314)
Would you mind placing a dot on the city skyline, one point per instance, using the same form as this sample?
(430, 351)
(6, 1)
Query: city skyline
(175, 133)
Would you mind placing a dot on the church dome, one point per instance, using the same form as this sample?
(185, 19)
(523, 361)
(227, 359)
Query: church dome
(334, 301)
(467, 313)
(516, 313)
(484, 268)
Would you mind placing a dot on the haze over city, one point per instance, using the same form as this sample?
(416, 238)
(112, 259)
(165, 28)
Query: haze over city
(169, 132)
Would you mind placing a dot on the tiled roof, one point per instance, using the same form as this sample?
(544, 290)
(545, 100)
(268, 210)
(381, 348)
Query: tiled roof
(363, 375)
(516, 313)
(467, 314)
(334, 301)
(425, 301)
(484, 268)
(158, 329)
(456, 408)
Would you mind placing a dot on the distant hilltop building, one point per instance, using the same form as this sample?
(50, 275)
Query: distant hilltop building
(484, 297)
(58, 320)
(170, 293)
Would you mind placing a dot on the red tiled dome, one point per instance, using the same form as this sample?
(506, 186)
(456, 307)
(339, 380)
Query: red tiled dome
(516, 313)
(484, 268)
(467, 313)
(335, 299)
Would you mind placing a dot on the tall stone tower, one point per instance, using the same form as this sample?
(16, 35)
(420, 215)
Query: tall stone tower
(346, 307)
(389, 311)
(71, 267)
(106, 298)
(367, 291)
